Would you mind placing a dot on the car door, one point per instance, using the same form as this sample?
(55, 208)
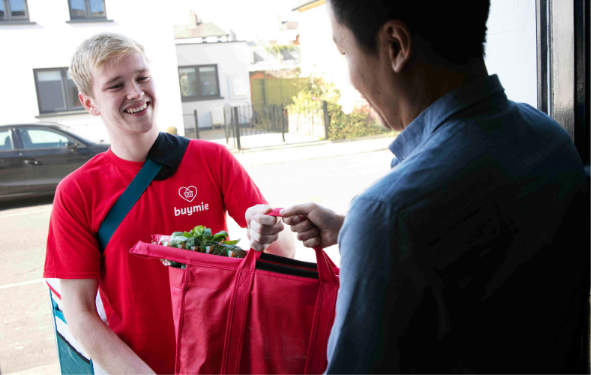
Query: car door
(49, 156)
(12, 174)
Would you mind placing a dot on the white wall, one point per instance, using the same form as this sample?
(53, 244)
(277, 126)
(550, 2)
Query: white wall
(320, 57)
(232, 59)
(51, 42)
(511, 48)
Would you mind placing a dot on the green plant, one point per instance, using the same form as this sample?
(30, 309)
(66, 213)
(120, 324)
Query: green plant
(360, 122)
(278, 48)
(201, 239)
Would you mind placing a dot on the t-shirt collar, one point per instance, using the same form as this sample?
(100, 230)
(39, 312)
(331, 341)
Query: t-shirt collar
(167, 150)
(421, 128)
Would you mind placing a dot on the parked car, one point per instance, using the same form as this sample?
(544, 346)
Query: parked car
(34, 158)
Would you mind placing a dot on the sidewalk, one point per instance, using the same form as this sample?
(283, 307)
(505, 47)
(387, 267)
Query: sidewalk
(310, 151)
(53, 369)
(257, 148)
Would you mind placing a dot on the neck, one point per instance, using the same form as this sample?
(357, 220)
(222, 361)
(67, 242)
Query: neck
(133, 147)
(428, 83)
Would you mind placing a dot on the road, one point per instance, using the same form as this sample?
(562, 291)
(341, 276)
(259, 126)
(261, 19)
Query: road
(328, 174)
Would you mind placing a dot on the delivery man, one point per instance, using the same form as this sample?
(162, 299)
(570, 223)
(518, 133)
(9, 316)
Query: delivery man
(199, 183)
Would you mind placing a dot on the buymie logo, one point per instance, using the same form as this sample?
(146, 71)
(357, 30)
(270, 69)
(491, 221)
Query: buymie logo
(189, 194)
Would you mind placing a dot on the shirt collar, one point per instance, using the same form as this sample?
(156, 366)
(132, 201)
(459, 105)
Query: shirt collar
(425, 124)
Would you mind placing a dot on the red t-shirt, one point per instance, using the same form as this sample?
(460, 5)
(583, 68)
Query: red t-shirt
(135, 291)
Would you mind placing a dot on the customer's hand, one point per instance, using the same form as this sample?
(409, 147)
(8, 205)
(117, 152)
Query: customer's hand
(315, 225)
(262, 229)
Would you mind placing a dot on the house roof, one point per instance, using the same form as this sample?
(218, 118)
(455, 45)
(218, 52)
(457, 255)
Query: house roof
(308, 4)
(202, 30)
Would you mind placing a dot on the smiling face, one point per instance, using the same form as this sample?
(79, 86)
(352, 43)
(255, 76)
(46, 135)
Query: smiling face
(123, 96)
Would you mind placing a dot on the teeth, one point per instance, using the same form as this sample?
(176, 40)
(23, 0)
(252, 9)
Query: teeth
(138, 109)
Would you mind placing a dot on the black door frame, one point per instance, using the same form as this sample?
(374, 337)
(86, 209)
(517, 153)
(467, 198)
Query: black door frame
(563, 82)
(563, 67)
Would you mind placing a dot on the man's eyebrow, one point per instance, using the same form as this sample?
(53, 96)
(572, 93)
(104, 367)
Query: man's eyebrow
(139, 71)
(113, 80)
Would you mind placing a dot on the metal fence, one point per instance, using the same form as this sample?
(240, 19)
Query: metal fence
(191, 125)
(261, 125)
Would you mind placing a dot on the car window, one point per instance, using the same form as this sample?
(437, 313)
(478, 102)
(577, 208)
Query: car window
(43, 138)
(6, 142)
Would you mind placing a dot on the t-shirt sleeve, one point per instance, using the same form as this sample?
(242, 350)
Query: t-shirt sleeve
(238, 189)
(382, 294)
(72, 247)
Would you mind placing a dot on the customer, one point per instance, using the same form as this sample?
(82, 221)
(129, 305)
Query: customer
(464, 258)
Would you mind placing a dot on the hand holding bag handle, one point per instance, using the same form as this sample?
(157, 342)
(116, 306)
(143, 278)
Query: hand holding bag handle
(323, 316)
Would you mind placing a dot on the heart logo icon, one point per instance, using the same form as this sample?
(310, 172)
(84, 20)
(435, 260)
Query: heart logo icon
(188, 193)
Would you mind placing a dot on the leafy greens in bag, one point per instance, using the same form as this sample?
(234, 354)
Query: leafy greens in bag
(200, 239)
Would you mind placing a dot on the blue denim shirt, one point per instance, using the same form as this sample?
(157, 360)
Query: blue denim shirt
(449, 263)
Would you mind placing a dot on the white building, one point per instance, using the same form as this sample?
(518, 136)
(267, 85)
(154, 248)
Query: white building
(510, 49)
(38, 38)
(212, 71)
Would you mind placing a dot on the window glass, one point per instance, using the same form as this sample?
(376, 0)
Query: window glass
(77, 8)
(188, 82)
(73, 100)
(17, 8)
(2, 13)
(41, 138)
(51, 91)
(209, 81)
(6, 142)
(96, 8)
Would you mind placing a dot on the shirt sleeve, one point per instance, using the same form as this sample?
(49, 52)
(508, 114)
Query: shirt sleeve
(238, 189)
(72, 247)
(383, 302)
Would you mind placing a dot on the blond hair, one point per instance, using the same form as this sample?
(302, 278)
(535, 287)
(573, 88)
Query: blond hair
(98, 51)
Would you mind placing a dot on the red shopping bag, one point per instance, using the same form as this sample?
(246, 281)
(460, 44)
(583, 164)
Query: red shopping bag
(263, 314)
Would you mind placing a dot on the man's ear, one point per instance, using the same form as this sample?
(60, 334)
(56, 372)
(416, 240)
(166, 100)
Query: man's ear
(396, 37)
(89, 104)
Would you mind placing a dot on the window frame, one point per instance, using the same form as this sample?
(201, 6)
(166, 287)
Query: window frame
(87, 17)
(9, 19)
(15, 142)
(198, 80)
(563, 24)
(64, 75)
(564, 87)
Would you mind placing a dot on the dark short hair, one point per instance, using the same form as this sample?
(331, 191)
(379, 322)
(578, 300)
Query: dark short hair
(454, 29)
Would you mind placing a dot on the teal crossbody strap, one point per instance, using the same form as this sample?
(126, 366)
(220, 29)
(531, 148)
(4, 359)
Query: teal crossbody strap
(126, 201)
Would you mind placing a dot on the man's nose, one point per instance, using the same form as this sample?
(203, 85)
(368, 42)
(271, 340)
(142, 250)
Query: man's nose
(134, 92)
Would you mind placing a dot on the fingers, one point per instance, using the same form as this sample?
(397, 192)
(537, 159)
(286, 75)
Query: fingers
(260, 242)
(267, 220)
(313, 242)
(259, 209)
(303, 226)
(300, 209)
(308, 235)
(292, 220)
(261, 236)
(264, 230)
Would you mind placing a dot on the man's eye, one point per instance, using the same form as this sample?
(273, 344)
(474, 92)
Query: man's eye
(119, 85)
(141, 79)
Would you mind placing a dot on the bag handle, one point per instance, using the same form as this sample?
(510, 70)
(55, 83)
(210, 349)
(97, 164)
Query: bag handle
(323, 316)
(126, 201)
(324, 263)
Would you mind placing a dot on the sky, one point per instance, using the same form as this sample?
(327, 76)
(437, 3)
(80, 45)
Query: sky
(246, 18)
